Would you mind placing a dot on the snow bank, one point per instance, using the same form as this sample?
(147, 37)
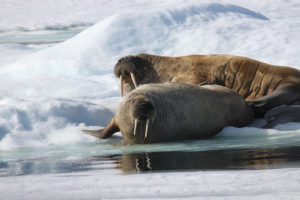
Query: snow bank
(161, 31)
(51, 14)
(172, 31)
(44, 122)
(12, 52)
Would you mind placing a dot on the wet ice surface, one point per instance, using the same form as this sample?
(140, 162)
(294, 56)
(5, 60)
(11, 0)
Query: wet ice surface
(202, 169)
(226, 174)
(158, 162)
(57, 78)
(230, 150)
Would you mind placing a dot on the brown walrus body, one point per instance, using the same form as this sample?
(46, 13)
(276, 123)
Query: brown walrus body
(250, 78)
(168, 112)
(263, 85)
(267, 88)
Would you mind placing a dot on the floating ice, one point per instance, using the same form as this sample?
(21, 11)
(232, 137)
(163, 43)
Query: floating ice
(71, 83)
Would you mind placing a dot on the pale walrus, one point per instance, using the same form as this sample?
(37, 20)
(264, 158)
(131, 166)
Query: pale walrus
(263, 86)
(168, 112)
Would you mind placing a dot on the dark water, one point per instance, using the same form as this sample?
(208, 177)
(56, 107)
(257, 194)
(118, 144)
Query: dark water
(43, 36)
(228, 159)
(211, 160)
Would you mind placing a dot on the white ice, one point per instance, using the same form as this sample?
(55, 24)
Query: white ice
(261, 184)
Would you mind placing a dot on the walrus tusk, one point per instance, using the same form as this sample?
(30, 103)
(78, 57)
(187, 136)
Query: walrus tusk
(147, 128)
(135, 125)
(133, 79)
(121, 83)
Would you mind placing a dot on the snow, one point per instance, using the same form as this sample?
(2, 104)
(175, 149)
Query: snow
(173, 31)
(50, 90)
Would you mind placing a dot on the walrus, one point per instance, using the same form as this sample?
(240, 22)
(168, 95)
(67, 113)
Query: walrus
(167, 112)
(265, 87)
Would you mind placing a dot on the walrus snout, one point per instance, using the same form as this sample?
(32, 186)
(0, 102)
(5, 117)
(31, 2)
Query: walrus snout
(125, 69)
(142, 109)
(130, 69)
(125, 66)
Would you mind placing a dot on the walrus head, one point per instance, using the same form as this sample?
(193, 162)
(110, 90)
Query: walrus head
(142, 110)
(136, 113)
(133, 70)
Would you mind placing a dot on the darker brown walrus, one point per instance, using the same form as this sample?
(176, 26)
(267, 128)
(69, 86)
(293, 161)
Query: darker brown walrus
(168, 112)
(267, 88)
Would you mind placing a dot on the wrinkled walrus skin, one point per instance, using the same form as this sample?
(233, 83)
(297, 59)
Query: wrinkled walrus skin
(167, 112)
(263, 86)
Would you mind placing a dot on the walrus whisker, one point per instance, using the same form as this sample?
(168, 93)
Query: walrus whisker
(121, 83)
(133, 79)
(135, 126)
(147, 128)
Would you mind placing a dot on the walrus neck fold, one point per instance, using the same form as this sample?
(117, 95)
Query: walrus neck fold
(163, 107)
(157, 68)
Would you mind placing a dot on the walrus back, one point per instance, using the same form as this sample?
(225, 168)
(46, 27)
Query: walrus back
(239, 112)
(253, 79)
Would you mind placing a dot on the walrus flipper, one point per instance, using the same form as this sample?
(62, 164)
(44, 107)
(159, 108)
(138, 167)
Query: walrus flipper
(282, 114)
(96, 133)
(286, 95)
(107, 132)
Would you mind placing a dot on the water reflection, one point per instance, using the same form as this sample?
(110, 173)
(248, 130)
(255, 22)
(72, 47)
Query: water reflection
(160, 161)
(210, 160)
(53, 166)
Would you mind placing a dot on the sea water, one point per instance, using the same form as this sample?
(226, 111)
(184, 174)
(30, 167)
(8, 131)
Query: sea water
(57, 78)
